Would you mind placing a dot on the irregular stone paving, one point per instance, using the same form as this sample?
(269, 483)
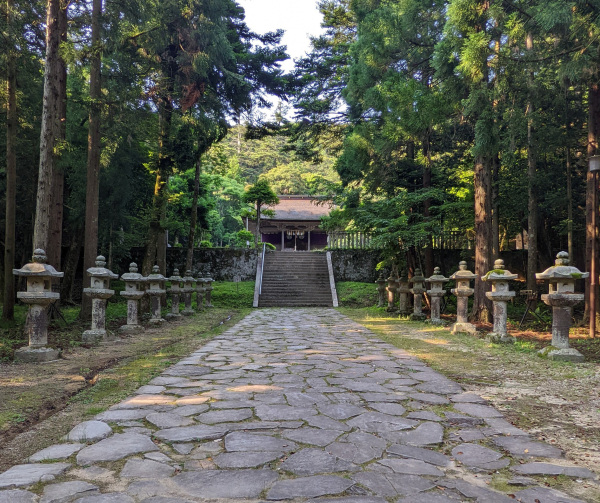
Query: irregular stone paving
(300, 404)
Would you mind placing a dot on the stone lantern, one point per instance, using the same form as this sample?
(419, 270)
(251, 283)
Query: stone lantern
(38, 295)
(500, 295)
(463, 291)
(188, 288)
(403, 291)
(209, 289)
(134, 291)
(391, 291)
(156, 283)
(200, 291)
(176, 290)
(99, 292)
(562, 297)
(380, 290)
(418, 290)
(436, 293)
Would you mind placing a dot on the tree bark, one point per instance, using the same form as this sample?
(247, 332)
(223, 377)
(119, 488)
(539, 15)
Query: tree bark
(54, 251)
(50, 126)
(159, 201)
(8, 306)
(590, 232)
(189, 258)
(495, 251)
(70, 266)
(90, 249)
(483, 226)
(532, 201)
(427, 203)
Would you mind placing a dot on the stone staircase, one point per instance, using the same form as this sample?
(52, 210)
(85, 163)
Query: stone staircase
(295, 279)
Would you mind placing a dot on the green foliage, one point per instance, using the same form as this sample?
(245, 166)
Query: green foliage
(355, 294)
(234, 295)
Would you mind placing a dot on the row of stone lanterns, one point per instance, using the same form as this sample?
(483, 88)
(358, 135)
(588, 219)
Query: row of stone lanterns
(39, 296)
(561, 297)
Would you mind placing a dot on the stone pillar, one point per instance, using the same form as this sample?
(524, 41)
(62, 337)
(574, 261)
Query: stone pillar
(133, 292)
(175, 292)
(435, 294)
(155, 290)
(391, 292)
(463, 291)
(500, 295)
(418, 290)
(380, 290)
(188, 288)
(99, 292)
(562, 297)
(209, 289)
(200, 291)
(38, 296)
(403, 291)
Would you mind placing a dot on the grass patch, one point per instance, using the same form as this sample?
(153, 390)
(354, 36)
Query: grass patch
(355, 294)
(230, 294)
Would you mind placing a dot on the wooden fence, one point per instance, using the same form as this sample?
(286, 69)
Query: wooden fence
(446, 240)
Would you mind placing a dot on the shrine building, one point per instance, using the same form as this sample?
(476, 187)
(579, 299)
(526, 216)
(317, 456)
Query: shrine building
(295, 225)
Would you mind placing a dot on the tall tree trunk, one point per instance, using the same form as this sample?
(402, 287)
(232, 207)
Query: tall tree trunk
(90, 249)
(495, 251)
(427, 203)
(483, 227)
(189, 258)
(70, 266)
(532, 202)
(50, 126)
(159, 201)
(257, 236)
(590, 233)
(8, 306)
(54, 250)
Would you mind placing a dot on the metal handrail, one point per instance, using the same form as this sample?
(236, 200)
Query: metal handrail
(262, 268)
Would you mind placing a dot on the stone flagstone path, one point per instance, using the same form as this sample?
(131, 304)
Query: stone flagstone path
(300, 404)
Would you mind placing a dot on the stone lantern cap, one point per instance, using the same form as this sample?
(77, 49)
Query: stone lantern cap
(463, 274)
(38, 267)
(175, 279)
(437, 276)
(133, 274)
(380, 280)
(100, 271)
(188, 279)
(562, 271)
(100, 277)
(133, 281)
(499, 273)
(38, 274)
(418, 277)
(156, 281)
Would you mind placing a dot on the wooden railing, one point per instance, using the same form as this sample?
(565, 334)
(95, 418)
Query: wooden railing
(348, 241)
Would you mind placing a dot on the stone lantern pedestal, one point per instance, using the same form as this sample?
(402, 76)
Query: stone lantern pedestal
(500, 295)
(133, 293)
(99, 292)
(188, 289)
(418, 290)
(175, 291)
(156, 283)
(208, 292)
(463, 291)
(380, 290)
(391, 293)
(562, 297)
(436, 293)
(403, 291)
(200, 291)
(38, 296)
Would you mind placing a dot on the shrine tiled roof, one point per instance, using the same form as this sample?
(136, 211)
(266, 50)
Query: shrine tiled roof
(300, 208)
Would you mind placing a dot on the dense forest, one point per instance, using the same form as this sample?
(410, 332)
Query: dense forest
(142, 123)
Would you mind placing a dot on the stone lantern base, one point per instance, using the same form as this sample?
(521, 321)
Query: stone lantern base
(562, 355)
(417, 317)
(467, 328)
(95, 335)
(431, 321)
(130, 329)
(36, 355)
(500, 338)
(173, 316)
